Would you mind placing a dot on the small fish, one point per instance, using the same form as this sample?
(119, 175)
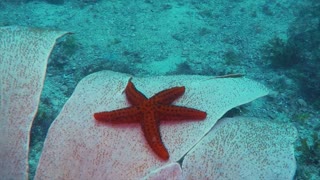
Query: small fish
(230, 76)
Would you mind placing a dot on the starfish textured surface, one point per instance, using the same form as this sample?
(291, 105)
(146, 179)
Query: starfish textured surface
(149, 113)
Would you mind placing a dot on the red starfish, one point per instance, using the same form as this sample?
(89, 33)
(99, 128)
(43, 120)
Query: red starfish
(149, 113)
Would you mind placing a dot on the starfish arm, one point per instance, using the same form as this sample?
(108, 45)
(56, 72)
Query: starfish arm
(168, 96)
(126, 115)
(150, 128)
(134, 96)
(178, 113)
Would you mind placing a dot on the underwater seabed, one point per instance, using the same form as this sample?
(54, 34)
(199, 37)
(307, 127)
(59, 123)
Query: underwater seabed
(275, 43)
(77, 147)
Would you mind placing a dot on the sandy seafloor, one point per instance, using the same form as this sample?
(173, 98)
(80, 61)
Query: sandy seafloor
(147, 37)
